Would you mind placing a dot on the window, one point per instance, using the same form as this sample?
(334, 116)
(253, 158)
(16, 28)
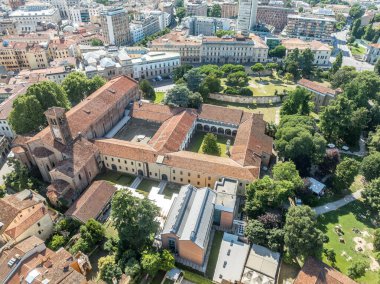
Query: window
(209, 178)
(106, 158)
(181, 179)
(112, 159)
(38, 224)
(181, 172)
(173, 171)
(173, 178)
(188, 181)
(198, 183)
(188, 174)
(80, 177)
(208, 185)
(199, 176)
(241, 184)
(132, 163)
(118, 160)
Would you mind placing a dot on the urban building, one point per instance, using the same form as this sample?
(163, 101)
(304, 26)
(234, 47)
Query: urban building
(115, 26)
(61, 5)
(372, 54)
(34, 16)
(14, 4)
(274, 16)
(164, 19)
(24, 214)
(150, 24)
(187, 228)
(85, 13)
(225, 203)
(321, 51)
(5, 148)
(189, 47)
(322, 95)
(167, 7)
(30, 261)
(207, 26)
(247, 17)
(8, 27)
(229, 9)
(137, 32)
(339, 9)
(154, 64)
(196, 8)
(239, 50)
(310, 27)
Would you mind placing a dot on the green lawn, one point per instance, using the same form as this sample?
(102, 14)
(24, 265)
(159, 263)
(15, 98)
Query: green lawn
(197, 142)
(349, 217)
(116, 178)
(159, 97)
(110, 230)
(269, 111)
(213, 258)
(170, 189)
(359, 51)
(193, 276)
(145, 186)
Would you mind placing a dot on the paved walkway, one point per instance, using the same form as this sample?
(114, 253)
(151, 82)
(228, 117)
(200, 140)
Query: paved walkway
(339, 203)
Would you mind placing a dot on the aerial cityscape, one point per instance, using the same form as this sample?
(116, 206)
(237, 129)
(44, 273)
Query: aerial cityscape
(190, 141)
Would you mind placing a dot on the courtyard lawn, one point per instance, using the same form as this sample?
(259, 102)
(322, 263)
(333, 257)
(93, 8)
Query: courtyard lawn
(268, 111)
(116, 178)
(267, 85)
(214, 253)
(145, 186)
(159, 97)
(193, 275)
(110, 230)
(197, 142)
(349, 217)
(170, 189)
(357, 51)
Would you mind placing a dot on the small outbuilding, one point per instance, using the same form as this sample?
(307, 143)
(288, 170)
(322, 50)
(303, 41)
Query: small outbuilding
(315, 186)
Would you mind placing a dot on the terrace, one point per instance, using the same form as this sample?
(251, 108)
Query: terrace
(197, 141)
(138, 130)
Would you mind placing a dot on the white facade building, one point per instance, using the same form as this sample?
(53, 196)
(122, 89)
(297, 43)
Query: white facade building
(137, 32)
(373, 53)
(155, 64)
(247, 15)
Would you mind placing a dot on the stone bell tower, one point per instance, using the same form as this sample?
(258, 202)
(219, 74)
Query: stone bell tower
(59, 126)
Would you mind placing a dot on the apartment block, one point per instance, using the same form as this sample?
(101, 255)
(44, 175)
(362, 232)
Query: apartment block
(196, 8)
(247, 15)
(207, 26)
(115, 26)
(373, 53)
(229, 9)
(274, 16)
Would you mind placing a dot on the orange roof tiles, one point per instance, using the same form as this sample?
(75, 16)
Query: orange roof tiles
(218, 113)
(315, 86)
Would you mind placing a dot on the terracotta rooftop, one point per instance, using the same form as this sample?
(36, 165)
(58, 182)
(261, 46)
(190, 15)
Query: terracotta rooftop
(315, 86)
(293, 43)
(316, 272)
(177, 38)
(154, 112)
(91, 203)
(7, 105)
(223, 114)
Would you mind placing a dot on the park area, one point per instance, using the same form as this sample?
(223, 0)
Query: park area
(350, 235)
(197, 142)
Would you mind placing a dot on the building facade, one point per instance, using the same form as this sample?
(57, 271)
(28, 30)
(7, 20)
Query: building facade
(274, 16)
(196, 8)
(115, 26)
(372, 54)
(247, 17)
(229, 9)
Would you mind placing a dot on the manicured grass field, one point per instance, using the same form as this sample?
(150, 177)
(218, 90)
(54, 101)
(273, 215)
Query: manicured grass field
(359, 51)
(110, 230)
(267, 86)
(193, 276)
(349, 217)
(213, 258)
(269, 111)
(116, 178)
(159, 97)
(197, 142)
(145, 186)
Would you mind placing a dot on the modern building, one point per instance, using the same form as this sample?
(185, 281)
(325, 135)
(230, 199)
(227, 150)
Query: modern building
(22, 215)
(322, 94)
(274, 16)
(247, 17)
(310, 27)
(226, 203)
(30, 261)
(230, 9)
(372, 54)
(115, 26)
(93, 203)
(196, 8)
(315, 271)
(187, 228)
(8, 27)
(33, 17)
(85, 13)
(321, 51)
(207, 26)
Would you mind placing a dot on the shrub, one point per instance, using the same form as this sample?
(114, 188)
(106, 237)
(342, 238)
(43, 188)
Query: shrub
(357, 269)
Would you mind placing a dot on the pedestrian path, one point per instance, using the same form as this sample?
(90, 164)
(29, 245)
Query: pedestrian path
(331, 206)
(136, 182)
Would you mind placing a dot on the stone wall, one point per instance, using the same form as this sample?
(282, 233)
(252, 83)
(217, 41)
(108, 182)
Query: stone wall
(245, 99)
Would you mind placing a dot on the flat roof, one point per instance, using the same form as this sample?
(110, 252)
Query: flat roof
(263, 260)
(226, 195)
(231, 259)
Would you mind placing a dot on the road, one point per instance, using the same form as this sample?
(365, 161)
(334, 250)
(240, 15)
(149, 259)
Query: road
(339, 203)
(5, 169)
(340, 44)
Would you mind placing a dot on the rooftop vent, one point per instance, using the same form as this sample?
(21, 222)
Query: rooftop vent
(112, 91)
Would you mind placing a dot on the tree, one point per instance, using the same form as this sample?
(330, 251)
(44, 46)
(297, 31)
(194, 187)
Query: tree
(291, 63)
(302, 238)
(345, 173)
(297, 102)
(95, 83)
(76, 86)
(266, 193)
(91, 233)
(258, 68)
(337, 63)
(232, 68)
(180, 71)
(279, 51)
(370, 167)
(212, 83)
(147, 89)
(210, 145)
(276, 239)
(374, 140)
(256, 232)
(288, 77)
(178, 3)
(57, 241)
(306, 61)
(239, 78)
(271, 66)
(132, 267)
(369, 33)
(180, 13)
(134, 219)
(3, 191)
(195, 100)
(357, 268)
(19, 179)
(151, 263)
(108, 269)
(96, 42)
(330, 255)
(194, 78)
(211, 70)
(357, 30)
(343, 121)
(287, 171)
(371, 195)
(356, 11)
(178, 96)
(376, 240)
(167, 260)
(216, 11)
(221, 33)
(377, 66)
(343, 76)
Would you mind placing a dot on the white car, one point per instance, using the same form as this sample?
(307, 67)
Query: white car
(331, 145)
(345, 148)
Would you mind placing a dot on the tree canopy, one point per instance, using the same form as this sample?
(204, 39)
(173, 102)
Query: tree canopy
(180, 71)
(287, 171)
(279, 51)
(210, 145)
(108, 269)
(194, 78)
(345, 173)
(370, 166)
(178, 96)
(356, 11)
(371, 195)
(297, 102)
(147, 89)
(215, 11)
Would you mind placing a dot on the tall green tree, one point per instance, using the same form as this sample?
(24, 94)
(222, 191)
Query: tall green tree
(370, 166)
(180, 71)
(287, 171)
(371, 195)
(279, 51)
(134, 219)
(150, 262)
(76, 86)
(377, 66)
(239, 79)
(194, 78)
(18, 179)
(343, 76)
(356, 11)
(232, 68)
(374, 140)
(258, 68)
(180, 13)
(337, 63)
(147, 89)
(108, 269)
(178, 96)
(211, 70)
(210, 145)
(216, 11)
(297, 102)
(302, 236)
(345, 174)
(306, 61)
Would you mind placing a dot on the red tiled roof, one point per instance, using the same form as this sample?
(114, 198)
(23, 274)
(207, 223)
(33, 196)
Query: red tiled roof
(154, 112)
(317, 272)
(315, 86)
(222, 114)
(91, 203)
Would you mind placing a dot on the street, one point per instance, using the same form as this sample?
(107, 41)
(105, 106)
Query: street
(340, 44)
